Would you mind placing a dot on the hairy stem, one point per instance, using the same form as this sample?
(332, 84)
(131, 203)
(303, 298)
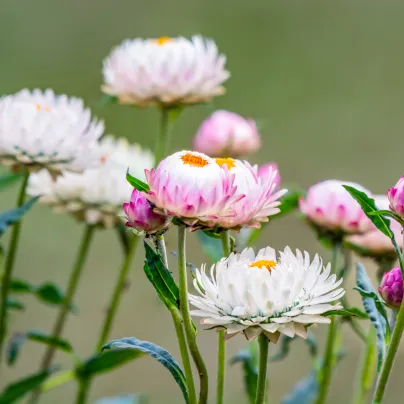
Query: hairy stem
(260, 397)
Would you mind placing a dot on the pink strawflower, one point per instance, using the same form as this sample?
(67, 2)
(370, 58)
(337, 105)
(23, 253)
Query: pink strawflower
(261, 198)
(374, 243)
(330, 207)
(265, 170)
(396, 198)
(192, 187)
(225, 133)
(391, 288)
(141, 217)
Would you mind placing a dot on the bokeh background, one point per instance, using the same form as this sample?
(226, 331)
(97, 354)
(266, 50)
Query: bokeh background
(323, 79)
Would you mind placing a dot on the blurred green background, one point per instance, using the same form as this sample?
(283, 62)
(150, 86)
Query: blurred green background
(323, 78)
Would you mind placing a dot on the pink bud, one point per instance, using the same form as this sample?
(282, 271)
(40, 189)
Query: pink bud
(391, 288)
(329, 206)
(396, 198)
(141, 217)
(225, 133)
(267, 169)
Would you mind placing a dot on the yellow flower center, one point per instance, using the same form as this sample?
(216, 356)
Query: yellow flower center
(193, 160)
(229, 162)
(40, 107)
(163, 40)
(267, 264)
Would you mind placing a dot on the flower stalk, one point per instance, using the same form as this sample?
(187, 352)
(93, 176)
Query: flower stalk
(260, 397)
(163, 139)
(9, 264)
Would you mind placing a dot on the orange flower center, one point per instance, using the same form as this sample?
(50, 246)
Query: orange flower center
(267, 264)
(229, 162)
(163, 40)
(193, 160)
(39, 107)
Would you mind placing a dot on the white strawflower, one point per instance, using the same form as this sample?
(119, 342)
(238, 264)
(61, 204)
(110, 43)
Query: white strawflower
(43, 130)
(95, 196)
(263, 293)
(165, 71)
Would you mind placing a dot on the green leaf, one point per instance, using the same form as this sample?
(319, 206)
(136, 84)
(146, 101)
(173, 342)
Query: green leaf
(376, 312)
(156, 352)
(124, 399)
(17, 390)
(387, 213)
(105, 362)
(17, 340)
(9, 179)
(106, 99)
(351, 312)
(161, 278)
(368, 206)
(12, 216)
(20, 286)
(249, 359)
(211, 246)
(136, 183)
(304, 392)
(14, 304)
(51, 294)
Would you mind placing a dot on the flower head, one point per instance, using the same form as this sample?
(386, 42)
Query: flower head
(225, 133)
(266, 293)
(391, 288)
(43, 130)
(166, 71)
(396, 198)
(261, 198)
(141, 217)
(266, 170)
(191, 186)
(95, 196)
(330, 207)
(374, 243)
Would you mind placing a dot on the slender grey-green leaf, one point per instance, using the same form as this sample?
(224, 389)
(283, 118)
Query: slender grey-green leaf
(17, 340)
(161, 278)
(136, 183)
(304, 392)
(211, 246)
(378, 318)
(350, 312)
(19, 389)
(123, 399)
(12, 216)
(156, 352)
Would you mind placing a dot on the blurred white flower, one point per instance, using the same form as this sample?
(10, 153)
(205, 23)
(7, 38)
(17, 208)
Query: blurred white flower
(95, 196)
(165, 71)
(260, 293)
(43, 130)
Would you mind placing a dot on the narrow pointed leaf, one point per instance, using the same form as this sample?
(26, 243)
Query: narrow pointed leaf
(375, 311)
(156, 352)
(368, 206)
(18, 390)
(161, 278)
(20, 286)
(136, 183)
(351, 312)
(304, 392)
(12, 216)
(17, 340)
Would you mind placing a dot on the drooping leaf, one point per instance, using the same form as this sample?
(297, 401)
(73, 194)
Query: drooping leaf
(156, 352)
(12, 216)
(211, 246)
(369, 207)
(19, 389)
(304, 392)
(105, 362)
(124, 399)
(136, 183)
(161, 278)
(249, 359)
(351, 312)
(375, 310)
(51, 294)
(17, 340)
(14, 304)
(9, 179)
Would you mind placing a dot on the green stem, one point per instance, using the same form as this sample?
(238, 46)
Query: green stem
(186, 317)
(260, 397)
(9, 264)
(367, 370)
(161, 248)
(117, 293)
(391, 354)
(221, 352)
(82, 392)
(164, 135)
(64, 310)
(329, 354)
